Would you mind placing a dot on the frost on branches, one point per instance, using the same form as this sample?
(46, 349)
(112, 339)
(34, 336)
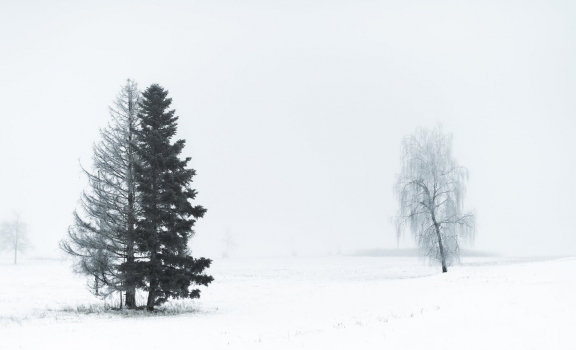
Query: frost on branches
(430, 189)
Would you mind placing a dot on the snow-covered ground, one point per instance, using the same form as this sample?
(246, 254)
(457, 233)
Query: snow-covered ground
(310, 303)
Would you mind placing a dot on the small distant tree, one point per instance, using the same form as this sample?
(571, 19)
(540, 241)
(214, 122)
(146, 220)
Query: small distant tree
(14, 236)
(164, 225)
(430, 189)
(229, 243)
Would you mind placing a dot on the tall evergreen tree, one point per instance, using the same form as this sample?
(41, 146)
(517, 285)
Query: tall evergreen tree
(102, 237)
(167, 217)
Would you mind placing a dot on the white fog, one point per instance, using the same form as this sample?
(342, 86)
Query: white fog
(294, 114)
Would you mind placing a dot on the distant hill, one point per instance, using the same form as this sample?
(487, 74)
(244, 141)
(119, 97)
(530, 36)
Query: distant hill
(385, 252)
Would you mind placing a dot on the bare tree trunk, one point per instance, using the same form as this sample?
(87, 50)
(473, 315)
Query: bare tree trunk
(441, 247)
(130, 289)
(15, 254)
(444, 268)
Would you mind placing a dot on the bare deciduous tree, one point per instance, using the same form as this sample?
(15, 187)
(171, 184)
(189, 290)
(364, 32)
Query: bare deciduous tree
(14, 236)
(430, 188)
(102, 237)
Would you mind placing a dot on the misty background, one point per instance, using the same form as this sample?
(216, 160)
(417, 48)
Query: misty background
(293, 113)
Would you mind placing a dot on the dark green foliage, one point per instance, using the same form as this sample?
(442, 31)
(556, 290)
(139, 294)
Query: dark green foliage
(166, 216)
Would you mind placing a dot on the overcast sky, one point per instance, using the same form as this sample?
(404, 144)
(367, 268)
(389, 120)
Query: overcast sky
(294, 112)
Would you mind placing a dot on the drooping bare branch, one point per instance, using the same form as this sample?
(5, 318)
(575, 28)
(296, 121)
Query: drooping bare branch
(102, 236)
(430, 190)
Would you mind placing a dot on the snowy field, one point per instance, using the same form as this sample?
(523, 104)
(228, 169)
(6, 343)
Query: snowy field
(310, 303)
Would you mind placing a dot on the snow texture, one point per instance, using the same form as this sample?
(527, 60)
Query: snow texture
(309, 303)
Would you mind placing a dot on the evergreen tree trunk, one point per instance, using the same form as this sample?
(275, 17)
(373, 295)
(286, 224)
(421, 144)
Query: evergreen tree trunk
(151, 295)
(130, 289)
